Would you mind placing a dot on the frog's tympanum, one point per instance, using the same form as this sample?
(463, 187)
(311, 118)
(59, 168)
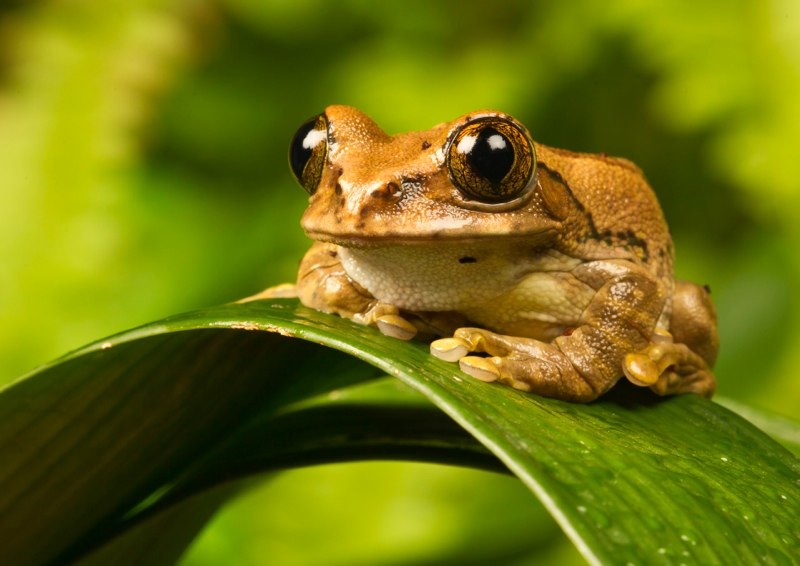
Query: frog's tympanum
(543, 269)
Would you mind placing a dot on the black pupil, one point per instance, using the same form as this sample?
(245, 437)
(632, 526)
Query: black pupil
(298, 153)
(492, 155)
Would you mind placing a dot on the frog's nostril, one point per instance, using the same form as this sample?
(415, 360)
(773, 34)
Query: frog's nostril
(390, 192)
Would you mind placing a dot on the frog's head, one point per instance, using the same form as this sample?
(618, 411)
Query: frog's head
(474, 178)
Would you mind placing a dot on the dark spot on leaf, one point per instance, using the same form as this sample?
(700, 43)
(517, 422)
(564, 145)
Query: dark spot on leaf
(467, 259)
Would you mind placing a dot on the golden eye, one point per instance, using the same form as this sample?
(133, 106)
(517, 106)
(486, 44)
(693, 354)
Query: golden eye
(308, 151)
(491, 160)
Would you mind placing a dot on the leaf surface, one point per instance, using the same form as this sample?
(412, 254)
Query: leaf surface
(90, 441)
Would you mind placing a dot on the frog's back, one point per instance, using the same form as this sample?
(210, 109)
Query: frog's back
(615, 208)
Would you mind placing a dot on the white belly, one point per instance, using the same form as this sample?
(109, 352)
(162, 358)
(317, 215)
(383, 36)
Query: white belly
(489, 283)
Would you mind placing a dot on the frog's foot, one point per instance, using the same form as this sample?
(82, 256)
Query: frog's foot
(455, 349)
(522, 363)
(282, 291)
(669, 368)
(387, 319)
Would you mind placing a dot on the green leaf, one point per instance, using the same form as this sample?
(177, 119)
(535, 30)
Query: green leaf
(783, 430)
(113, 433)
(88, 438)
(164, 538)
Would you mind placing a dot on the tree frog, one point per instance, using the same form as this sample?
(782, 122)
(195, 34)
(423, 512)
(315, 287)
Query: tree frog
(543, 269)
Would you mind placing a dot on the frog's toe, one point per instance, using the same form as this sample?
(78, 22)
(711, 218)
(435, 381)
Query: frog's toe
(640, 369)
(449, 349)
(480, 340)
(480, 368)
(504, 370)
(396, 326)
(669, 368)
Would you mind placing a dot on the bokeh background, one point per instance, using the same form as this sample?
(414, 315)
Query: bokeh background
(143, 173)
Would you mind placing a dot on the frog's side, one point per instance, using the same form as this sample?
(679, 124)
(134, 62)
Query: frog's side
(557, 265)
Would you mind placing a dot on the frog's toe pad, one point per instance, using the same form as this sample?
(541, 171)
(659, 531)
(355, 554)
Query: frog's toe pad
(479, 368)
(640, 370)
(449, 349)
(396, 327)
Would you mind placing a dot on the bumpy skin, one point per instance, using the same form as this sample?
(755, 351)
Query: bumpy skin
(566, 291)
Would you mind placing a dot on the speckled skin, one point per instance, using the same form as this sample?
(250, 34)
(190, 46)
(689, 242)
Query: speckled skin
(566, 290)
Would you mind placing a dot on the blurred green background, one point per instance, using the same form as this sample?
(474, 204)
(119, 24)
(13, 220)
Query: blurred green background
(143, 173)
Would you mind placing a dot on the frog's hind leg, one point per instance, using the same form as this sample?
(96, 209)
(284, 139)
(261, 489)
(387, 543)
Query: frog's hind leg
(694, 320)
(617, 334)
(585, 361)
(530, 365)
(522, 363)
(669, 368)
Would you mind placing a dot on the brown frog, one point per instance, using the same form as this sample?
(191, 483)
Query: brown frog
(546, 270)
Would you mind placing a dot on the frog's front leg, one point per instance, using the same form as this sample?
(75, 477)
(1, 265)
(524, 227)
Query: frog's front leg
(583, 363)
(324, 285)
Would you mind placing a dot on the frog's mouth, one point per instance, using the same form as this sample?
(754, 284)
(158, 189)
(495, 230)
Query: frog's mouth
(440, 238)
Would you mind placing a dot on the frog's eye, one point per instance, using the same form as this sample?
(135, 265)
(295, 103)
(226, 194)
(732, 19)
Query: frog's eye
(491, 160)
(308, 151)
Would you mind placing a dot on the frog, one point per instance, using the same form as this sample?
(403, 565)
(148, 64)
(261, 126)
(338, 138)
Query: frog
(543, 269)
